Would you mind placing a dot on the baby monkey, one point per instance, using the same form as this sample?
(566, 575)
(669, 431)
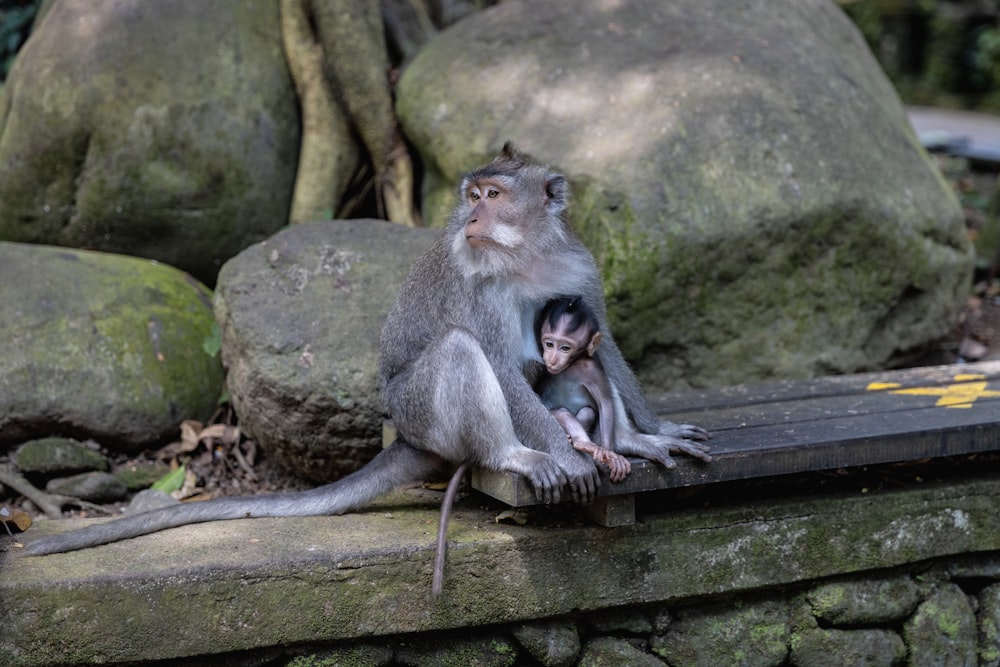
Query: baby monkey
(575, 389)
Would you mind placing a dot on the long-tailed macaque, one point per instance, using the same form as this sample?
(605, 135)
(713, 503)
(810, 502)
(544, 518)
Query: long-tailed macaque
(575, 388)
(457, 363)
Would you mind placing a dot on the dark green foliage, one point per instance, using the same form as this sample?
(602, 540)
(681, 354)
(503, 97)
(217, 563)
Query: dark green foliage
(15, 25)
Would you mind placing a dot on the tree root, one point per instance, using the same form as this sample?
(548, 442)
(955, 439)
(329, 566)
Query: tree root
(50, 503)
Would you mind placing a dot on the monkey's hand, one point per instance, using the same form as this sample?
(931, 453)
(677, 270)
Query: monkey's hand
(683, 431)
(542, 470)
(582, 475)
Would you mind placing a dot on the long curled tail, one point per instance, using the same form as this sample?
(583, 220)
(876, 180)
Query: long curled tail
(393, 467)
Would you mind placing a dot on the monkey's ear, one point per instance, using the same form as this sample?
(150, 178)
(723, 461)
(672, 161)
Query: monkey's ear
(556, 193)
(509, 152)
(595, 340)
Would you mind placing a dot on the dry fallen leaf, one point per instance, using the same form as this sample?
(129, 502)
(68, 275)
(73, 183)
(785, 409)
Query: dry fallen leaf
(14, 519)
(513, 516)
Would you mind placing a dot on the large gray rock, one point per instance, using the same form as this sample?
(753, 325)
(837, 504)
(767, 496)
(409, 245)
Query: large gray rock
(744, 173)
(167, 130)
(101, 346)
(300, 316)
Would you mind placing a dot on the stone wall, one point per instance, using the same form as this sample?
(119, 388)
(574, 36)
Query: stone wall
(941, 612)
(861, 576)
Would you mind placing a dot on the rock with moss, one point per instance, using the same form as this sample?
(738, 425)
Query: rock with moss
(611, 652)
(355, 655)
(552, 644)
(101, 346)
(942, 631)
(300, 316)
(57, 456)
(484, 651)
(755, 634)
(865, 601)
(833, 648)
(163, 130)
(755, 196)
(94, 487)
(988, 622)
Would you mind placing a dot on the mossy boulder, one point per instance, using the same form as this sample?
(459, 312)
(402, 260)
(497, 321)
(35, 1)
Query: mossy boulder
(57, 456)
(162, 130)
(746, 176)
(300, 316)
(820, 647)
(101, 346)
(942, 631)
(754, 634)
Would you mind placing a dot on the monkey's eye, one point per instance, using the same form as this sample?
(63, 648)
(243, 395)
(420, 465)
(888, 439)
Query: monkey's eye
(547, 344)
(473, 195)
(565, 348)
(492, 193)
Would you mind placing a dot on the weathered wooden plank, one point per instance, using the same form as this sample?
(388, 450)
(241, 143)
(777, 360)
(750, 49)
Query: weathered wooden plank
(786, 428)
(837, 385)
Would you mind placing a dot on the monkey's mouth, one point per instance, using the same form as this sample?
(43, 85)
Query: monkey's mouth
(477, 242)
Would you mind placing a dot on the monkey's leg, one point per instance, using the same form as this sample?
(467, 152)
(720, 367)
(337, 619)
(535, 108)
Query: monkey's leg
(618, 466)
(656, 447)
(452, 404)
(587, 418)
(393, 467)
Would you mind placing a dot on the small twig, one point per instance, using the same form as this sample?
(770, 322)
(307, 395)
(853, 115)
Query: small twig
(242, 461)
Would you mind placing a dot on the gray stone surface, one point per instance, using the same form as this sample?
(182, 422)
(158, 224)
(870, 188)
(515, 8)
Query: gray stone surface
(94, 487)
(754, 635)
(942, 631)
(865, 602)
(836, 648)
(553, 644)
(163, 130)
(988, 622)
(57, 456)
(243, 585)
(300, 316)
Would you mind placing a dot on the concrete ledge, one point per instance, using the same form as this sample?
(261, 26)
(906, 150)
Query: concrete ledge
(238, 585)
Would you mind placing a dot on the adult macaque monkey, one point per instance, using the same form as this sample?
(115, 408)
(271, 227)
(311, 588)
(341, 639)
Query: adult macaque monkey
(575, 388)
(458, 358)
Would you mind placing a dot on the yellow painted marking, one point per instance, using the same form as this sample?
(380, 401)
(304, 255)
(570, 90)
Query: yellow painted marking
(963, 394)
(879, 386)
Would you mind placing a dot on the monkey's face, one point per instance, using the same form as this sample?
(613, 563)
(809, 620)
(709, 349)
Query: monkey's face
(510, 219)
(492, 221)
(560, 348)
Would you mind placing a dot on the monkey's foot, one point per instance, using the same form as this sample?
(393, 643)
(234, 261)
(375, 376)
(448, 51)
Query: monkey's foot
(545, 474)
(618, 465)
(683, 431)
